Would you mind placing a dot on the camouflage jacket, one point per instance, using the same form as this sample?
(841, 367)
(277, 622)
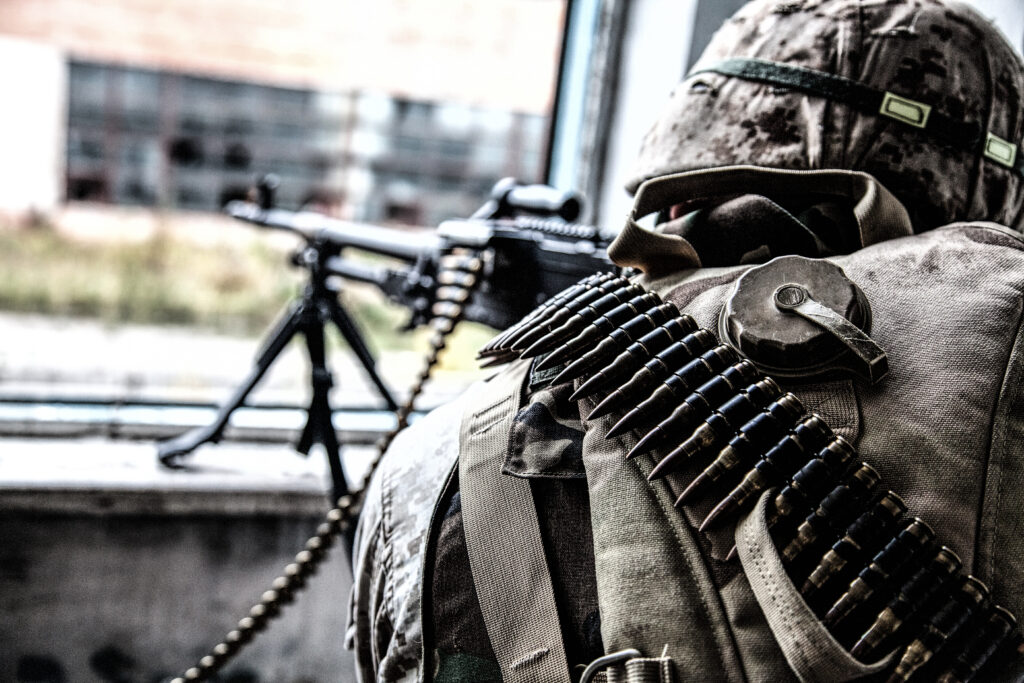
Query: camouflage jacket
(416, 485)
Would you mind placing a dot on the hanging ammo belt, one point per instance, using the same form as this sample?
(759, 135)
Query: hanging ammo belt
(459, 274)
(876, 577)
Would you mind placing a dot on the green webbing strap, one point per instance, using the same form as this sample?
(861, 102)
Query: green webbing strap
(968, 135)
(506, 554)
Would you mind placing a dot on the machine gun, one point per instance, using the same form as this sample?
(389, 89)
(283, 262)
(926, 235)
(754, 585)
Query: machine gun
(521, 229)
(517, 250)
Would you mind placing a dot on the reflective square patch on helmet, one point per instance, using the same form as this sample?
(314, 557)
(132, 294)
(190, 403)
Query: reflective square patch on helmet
(1001, 151)
(905, 110)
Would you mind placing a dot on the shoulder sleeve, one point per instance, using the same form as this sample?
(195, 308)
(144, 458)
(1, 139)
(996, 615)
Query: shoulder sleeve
(385, 621)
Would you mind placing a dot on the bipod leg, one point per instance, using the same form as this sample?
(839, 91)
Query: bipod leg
(350, 332)
(286, 326)
(320, 423)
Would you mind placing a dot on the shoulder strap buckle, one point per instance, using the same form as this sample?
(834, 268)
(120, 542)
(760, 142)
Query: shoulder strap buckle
(608, 660)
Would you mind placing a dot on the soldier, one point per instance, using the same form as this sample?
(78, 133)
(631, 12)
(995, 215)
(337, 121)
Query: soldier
(634, 500)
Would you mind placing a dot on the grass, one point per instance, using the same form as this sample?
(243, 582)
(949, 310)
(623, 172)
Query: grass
(236, 289)
(161, 280)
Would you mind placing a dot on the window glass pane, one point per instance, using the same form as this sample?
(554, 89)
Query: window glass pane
(391, 112)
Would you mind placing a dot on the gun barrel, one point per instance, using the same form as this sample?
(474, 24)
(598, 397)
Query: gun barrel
(400, 244)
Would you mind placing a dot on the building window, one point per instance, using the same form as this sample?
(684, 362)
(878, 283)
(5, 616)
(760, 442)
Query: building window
(179, 141)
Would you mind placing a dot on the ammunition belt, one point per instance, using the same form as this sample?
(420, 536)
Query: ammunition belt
(876, 576)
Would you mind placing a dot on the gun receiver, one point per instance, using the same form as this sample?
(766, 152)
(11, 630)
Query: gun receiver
(531, 248)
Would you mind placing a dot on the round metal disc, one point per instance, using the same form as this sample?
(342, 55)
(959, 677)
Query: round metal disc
(783, 343)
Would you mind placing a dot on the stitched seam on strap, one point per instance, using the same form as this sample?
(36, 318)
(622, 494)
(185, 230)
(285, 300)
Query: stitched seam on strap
(530, 658)
(783, 610)
(496, 408)
(694, 571)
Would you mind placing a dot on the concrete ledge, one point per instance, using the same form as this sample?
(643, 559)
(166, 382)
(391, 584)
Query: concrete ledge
(115, 568)
(99, 477)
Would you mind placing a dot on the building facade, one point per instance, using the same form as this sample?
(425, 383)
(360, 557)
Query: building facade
(384, 111)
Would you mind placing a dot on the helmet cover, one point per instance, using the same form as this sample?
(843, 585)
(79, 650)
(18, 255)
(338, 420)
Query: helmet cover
(936, 53)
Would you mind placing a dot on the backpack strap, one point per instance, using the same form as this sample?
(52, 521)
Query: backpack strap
(506, 553)
(811, 651)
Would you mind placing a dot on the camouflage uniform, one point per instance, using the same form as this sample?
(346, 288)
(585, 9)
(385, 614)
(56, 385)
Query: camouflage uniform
(545, 446)
(415, 612)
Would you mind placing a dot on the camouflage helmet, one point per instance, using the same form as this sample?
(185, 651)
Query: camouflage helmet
(926, 95)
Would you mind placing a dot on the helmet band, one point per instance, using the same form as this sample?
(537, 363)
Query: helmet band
(956, 133)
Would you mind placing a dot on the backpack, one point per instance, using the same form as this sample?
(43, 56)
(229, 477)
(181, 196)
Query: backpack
(941, 430)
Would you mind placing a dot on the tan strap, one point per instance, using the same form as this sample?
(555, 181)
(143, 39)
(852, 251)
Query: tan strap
(650, 565)
(811, 651)
(879, 215)
(506, 554)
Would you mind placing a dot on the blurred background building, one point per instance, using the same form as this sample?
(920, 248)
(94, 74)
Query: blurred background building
(383, 111)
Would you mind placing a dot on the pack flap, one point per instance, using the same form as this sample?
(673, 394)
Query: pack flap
(878, 214)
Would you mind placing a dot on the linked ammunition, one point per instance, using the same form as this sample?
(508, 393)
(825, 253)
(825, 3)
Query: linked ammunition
(452, 293)
(673, 390)
(773, 468)
(560, 314)
(752, 441)
(875, 581)
(597, 329)
(813, 481)
(720, 426)
(457, 278)
(699, 404)
(619, 340)
(682, 329)
(462, 261)
(993, 633)
(662, 365)
(912, 597)
(442, 326)
(446, 309)
(969, 598)
(833, 515)
(862, 539)
(579, 320)
(502, 343)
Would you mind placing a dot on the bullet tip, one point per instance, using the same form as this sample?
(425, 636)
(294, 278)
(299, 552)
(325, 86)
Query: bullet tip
(714, 515)
(497, 360)
(695, 488)
(618, 428)
(580, 394)
(667, 465)
(604, 407)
